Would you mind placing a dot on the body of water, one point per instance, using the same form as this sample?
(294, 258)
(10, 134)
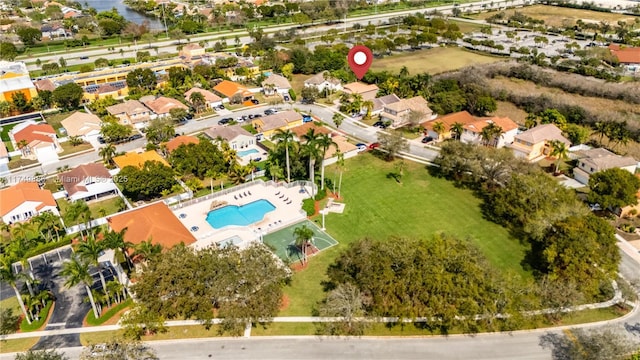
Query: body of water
(133, 16)
(239, 215)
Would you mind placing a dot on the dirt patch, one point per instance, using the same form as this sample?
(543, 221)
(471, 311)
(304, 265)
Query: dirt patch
(511, 111)
(561, 16)
(284, 302)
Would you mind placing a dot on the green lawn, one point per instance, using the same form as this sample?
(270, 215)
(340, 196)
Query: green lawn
(68, 149)
(432, 61)
(55, 120)
(4, 131)
(378, 208)
(110, 206)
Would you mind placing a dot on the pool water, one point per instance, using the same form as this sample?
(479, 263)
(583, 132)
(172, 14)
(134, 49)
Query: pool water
(239, 215)
(244, 153)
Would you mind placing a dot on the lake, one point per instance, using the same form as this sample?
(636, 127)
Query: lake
(127, 13)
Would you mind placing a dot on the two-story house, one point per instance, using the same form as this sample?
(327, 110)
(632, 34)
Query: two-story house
(266, 126)
(36, 141)
(130, 112)
(594, 160)
(473, 133)
(161, 106)
(323, 82)
(237, 137)
(536, 142)
(276, 84)
(398, 113)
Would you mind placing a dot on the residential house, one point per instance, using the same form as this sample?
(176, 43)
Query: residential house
(114, 90)
(180, 140)
(155, 223)
(138, 159)
(4, 158)
(381, 102)
(276, 84)
(211, 100)
(14, 79)
(599, 159)
(44, 84)
(347, 149)
(323, 82)
(25, 200)
(398, 112)
(234, 91)
(536, 142)
(628, 56)
(86, 126)
(130, 112)
(192, 50)
(161, 106)
(54, 31)
(461, 117)
(237, 137)
(472, 133)
(299, 131)
(88, 182)
(367, 91)
(37, 141)
(267, 125)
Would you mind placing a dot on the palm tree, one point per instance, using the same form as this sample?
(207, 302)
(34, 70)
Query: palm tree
(439, 128)
(337, 119)
(368, 105)
(20, 231)
(115, 240)
(116, 288)
(341, 167)
(311, 150)
(147, 250)
(76, 272)
(238, 173)
(457, 128)
(285, 137)
(197, 100)
(8, 276)
(303, 235)
(560, 151)
(77, 212)
(22, 145)
(490, 134)
(90, 250)
(107, 152)
(325, 142)
(275, 170)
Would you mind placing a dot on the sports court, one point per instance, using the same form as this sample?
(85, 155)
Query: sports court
(283, 242)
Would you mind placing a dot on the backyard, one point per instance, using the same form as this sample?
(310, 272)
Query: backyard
(432, 61)
(98, 208)
(557, 16)
(379, 208)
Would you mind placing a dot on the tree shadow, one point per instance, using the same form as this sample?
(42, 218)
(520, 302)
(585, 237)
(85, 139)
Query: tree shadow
(560, 346)
(633, 329)
(395, 176)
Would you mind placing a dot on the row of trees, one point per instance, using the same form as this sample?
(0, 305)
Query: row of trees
(566, 240)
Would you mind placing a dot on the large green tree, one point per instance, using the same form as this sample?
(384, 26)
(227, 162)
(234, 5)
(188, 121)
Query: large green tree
(442, 279)
(142, 80)
(8, 51)
(245, 286)
(147, 182)
(68, 96)
(613, 188)
(199, 158)
(393, 142)
(28, 35)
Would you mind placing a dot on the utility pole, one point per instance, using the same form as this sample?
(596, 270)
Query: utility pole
(164, 18)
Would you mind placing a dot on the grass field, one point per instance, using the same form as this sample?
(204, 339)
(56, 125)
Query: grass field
(110, 206)
(558, 16)
(432, 61)
(378, 208)
(283, 241)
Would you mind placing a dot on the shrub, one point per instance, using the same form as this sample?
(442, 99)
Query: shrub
(43, 248)
(321, 194)
(309, 206)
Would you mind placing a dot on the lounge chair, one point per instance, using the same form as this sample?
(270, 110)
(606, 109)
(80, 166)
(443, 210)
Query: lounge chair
(249, 192)
(278, 193)
(240, 196)
(245, 194)
(285, 200)
(281, 196)
(235, 197)
(289, 203)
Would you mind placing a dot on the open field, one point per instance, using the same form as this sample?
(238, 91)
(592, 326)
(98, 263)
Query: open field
(432, 61)
(378, 208)
(511, 111)
(559, 16)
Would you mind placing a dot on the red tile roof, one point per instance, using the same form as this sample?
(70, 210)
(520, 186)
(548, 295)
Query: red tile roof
(462, 117)
(72, 180)
(35, 132)
(626, 54)
(155, 222)
(12, 197)
(230, 88)
(180, 140)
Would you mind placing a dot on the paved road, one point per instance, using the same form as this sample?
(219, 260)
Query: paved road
(169, 46)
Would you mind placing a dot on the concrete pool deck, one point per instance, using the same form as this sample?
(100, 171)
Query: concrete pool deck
(288, 210)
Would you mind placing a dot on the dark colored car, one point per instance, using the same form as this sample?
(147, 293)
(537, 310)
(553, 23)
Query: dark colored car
(135, 137)
(220, 107)
(224, 121)
(286, 98)
(84, 57)
(255, 102)
(101, 140)
(268, 112)
(427, 139)
(380, 125)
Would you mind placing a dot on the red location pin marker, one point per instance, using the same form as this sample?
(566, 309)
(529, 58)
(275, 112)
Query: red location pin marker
(360, 59)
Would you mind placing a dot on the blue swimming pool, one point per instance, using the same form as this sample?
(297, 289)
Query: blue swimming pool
(244, 153)
(239, 215)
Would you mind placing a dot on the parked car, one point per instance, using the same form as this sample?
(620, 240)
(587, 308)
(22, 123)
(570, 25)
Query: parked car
(374, 145)
(135, 137)
(84, 57)
(268, 112)
(255, 102)
(427, 139)
(224, 121)
(361, 147)
(220, 107)
(101, 140)
(381, 125)
(306, 118)
(286, 98)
